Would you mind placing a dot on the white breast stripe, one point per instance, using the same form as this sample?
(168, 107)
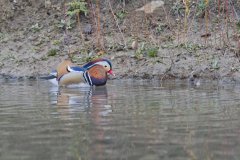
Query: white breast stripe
(87, 78)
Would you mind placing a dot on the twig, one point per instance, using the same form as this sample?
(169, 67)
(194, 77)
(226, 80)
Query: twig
(166, 14)
(98, 24)
(234, 10)
(187, 11)
(167, 70)
(226, 20)
(115, 18)
(219, 8)
(79, 25)
(206, 18)
(94, 15)
(194, 16)
(93, 12)
(66, 38)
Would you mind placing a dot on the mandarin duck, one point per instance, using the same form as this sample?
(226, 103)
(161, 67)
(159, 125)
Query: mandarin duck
(93, 73)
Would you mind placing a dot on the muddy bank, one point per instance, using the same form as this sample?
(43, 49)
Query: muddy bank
(126, 65)
(33, 42)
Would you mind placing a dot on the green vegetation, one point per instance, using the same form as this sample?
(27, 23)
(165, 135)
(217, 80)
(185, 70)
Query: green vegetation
(68, 24)
(201, 7)
(140, 51)
(177, 8)
(152, 52)
(77, 7)
(2, 36)
(190, 47)
(52, 52)
(74, 9)
(146, 50)
(238, 26)
(160, 28)
(36, 28)
(215, 64)
(121, 15)
(56, 42)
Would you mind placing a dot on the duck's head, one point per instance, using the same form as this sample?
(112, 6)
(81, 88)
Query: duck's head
(107, 65)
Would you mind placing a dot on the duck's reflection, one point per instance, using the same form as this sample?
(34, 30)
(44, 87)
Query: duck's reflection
(90, 101)
(79, 99)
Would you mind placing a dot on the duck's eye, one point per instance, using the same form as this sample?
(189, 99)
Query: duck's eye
(105, 66)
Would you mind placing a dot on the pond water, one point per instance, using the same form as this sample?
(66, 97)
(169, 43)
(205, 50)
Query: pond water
(125, 120)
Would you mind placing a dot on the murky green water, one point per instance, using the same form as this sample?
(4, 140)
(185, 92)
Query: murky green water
(126, 120)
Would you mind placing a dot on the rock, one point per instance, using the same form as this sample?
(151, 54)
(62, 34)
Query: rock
(48, 4)
(87, 29)
(150, 7)
(236, 77)
(134, 45)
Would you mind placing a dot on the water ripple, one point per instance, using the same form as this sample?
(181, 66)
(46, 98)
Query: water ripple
(123, 120)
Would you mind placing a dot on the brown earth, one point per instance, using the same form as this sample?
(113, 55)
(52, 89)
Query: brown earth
(33, 41)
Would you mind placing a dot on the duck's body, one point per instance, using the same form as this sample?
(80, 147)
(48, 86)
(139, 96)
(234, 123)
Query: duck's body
(92, 73)
(94, 76)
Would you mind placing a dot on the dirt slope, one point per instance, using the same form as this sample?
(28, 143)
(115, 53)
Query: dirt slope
(33, 42)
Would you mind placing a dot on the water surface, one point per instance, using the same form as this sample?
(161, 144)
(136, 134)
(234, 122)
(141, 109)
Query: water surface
(135, 120)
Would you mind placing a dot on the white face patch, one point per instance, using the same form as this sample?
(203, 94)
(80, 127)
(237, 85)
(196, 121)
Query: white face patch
(105, 65)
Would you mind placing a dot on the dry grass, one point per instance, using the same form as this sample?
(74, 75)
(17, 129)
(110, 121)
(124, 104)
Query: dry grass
(202, 22)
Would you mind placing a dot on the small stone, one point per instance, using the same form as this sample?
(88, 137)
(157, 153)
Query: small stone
(88, 29)
(134, 45)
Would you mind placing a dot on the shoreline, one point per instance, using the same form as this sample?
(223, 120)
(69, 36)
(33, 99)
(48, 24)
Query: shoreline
(192, 81)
